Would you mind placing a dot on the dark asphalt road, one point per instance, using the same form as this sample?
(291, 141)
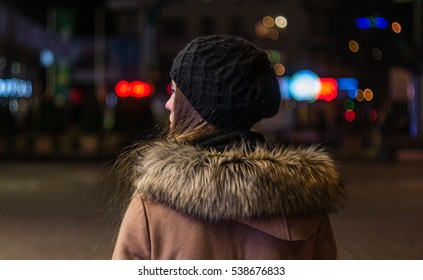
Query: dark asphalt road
(62, 211)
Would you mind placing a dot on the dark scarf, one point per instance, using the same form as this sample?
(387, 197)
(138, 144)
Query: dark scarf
(224, 139)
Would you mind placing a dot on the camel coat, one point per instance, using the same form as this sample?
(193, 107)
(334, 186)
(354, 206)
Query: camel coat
(239, 203)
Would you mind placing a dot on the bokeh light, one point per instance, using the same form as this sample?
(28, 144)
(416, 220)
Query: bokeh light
(76, 96)
(328, 90)
(274, 56)
(304, 85)
(169, 88)
(359, 95)
(368, 94)
(284, 87)
(377, 53)
(268, 21)
(108, 122)
(111, 100)
(396, 27)
(350, 85)
(272, 34)
(380, 22)
(350, 115)
(261, 30)
(122, 89)
(13, 105)
(279, 69)
(15, 88)
(372, 115)
(353, 46)
(266, 28)
(281, 22)
(374, 21)
(138, 89)
(348, 104)
(141, 89)
(16, 68)
(46, 57)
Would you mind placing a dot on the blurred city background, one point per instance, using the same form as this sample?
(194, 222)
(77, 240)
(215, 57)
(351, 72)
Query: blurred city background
(81, 80)
(89, 77)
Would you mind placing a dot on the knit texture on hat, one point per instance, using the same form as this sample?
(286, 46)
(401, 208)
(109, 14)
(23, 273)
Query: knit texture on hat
(227, 80)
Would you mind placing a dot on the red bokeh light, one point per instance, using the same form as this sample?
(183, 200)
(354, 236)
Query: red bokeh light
(138, 89)
(372, 115)
(350, 115)
(329, 89)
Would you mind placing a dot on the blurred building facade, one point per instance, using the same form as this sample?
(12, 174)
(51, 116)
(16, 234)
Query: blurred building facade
(74, 107)
(320, 37)
(26, 50)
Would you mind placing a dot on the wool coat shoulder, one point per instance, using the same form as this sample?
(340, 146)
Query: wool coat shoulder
(240, 203)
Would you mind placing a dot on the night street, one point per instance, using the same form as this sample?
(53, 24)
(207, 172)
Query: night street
(55, 211)
(63, 211)
(81, 82)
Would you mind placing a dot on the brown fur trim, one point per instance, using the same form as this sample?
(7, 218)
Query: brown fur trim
(237, 183)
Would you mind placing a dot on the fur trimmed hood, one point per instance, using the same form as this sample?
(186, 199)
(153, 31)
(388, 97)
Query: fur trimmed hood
(238, 184)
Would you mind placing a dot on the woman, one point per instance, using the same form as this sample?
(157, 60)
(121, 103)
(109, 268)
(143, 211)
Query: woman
(213, 188)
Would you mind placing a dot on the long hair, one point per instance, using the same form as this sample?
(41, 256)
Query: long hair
(188, 124)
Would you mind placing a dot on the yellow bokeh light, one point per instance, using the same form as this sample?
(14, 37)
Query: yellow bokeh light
(396, 27)
(268, 21)
(281, 22)
(368, 94)
(353, 45)
(359, 95)
(279, 69)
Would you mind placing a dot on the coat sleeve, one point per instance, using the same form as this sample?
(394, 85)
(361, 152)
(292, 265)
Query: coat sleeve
(133, 240)
(326, 244)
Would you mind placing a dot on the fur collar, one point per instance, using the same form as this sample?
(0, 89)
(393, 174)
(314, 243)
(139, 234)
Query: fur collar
(238, 183)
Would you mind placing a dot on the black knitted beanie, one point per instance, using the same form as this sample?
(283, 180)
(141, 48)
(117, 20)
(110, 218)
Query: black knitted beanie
(227, 80)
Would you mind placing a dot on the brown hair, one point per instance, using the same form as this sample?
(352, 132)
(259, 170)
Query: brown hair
(188, 124)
